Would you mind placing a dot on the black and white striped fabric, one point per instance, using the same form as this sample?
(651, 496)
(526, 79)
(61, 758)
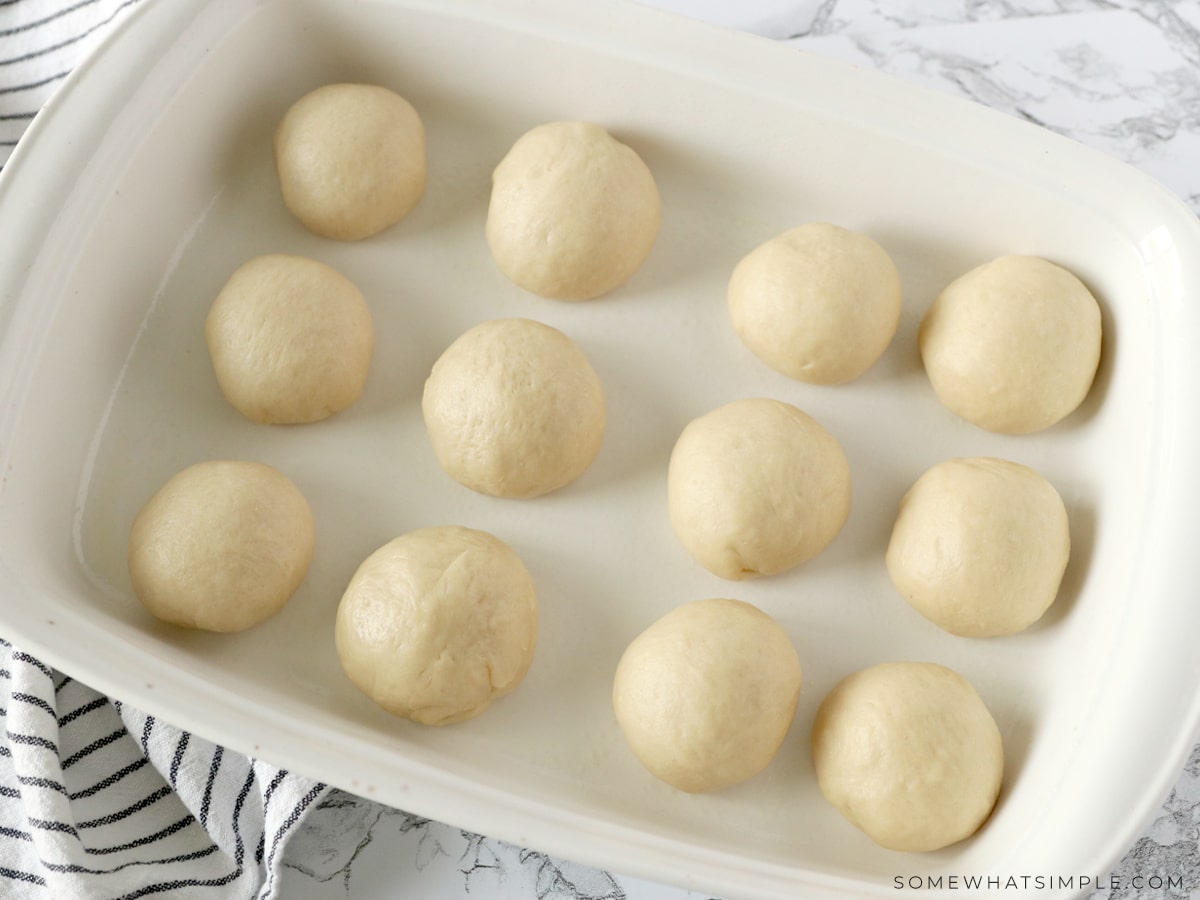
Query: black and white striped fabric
(41, 41)
(98, 800)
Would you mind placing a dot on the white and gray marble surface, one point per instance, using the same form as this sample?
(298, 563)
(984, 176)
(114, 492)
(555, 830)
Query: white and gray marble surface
(1120, 75)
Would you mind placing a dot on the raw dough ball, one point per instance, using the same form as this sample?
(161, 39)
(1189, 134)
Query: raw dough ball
(438, 623)
(291, 340)
(908, 752)
(980, 546)
(756, 487)
(574, 212)
(514, 409)
(1012, 345)
(222, 546)
(351, 160)
(818, 303)
(705, 695)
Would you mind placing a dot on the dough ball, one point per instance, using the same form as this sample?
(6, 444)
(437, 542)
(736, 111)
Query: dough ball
(818, 303)
(909, 753)
(574, 212)
(222, 546)
(291, 340)
(756, 487)
(980, 546)
(437, 624)
(705, 695)
(1013, 345)
(514, 409)
(351, 160)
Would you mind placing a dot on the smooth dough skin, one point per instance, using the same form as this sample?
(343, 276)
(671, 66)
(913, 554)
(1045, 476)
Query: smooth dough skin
(291, 340)
(1013, 345)
(437, 624)
(573, 213)
(222, 546)
(818, 303)
(980, 546)
(756, 487)
(705, 695)
(350, 159)
(909, 753)
(513, 408)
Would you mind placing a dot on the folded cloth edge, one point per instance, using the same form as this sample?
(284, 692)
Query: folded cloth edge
(100, 800)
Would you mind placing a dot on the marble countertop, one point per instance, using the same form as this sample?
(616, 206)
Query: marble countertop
(1122, 76)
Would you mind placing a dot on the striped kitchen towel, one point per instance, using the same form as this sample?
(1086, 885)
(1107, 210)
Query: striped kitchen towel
(41, 41)
(99, 801)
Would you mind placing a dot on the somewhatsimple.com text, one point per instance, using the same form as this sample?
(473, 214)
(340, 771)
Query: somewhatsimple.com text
(1036, 882)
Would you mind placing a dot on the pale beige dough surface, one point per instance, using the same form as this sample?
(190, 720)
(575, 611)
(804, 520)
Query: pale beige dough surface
(350, 160)
(290, 339)
(756, 487)
(819, 303)
(1013, 345)
(222, 546)
(910, 754)
(573, 211)
(438, 623)
(706, 694)
(979, 546)
(513, 408)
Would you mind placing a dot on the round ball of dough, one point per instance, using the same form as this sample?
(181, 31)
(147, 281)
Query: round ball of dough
(1013, 345)
(573, 213)
(909, 753)
(437, 624)
(514, 409)
(351, 160)
(222, 546)
(291, 340)
(818, 303)
(756, 487)
(705, 695)
(980, 546)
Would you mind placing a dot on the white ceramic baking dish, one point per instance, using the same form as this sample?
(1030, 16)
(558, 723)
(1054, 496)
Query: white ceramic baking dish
(149, 178)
